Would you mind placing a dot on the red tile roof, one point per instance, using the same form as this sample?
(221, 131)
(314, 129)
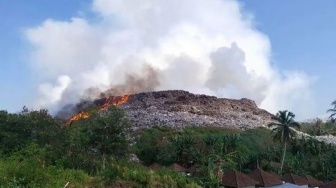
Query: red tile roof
(294, 179)
(177, 167)
(265, 179)
(312, 182)
(155, 166)
(331, 184)
(234, 178)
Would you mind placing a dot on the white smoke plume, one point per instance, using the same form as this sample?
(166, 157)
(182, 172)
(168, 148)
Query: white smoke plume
(204, 46)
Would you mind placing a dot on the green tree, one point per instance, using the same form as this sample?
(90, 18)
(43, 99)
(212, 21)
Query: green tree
(42, 127)
(183, 147)
(318, 126)
(332, 110)
(19, 129)
(14, 133)
(108, 133)
(284, 130)
(210, 142)
(147, 146)
(95, 139)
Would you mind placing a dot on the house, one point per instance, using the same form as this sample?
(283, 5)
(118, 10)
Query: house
(331, 184)
(264, 178)
(234, 178)
(196, 171)
(155, 166)
(276, 175)
(178, 168)
(312, 182)
(290, 185)
(295, 179)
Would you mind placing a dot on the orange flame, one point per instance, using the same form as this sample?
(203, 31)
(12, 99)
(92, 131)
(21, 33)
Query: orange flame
(80, 115)
(115, 100)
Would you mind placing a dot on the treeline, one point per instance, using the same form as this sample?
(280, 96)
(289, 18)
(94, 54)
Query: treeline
(38, 150)
(214, 150)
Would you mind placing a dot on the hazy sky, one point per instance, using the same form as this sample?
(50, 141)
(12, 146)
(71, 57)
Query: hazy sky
(277, 45)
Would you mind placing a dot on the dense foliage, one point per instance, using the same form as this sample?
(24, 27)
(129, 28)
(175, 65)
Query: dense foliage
(213, 150)
(284, 130)
(38, 150)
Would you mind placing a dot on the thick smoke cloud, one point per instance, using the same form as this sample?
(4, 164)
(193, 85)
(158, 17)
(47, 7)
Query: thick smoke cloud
(204, 46)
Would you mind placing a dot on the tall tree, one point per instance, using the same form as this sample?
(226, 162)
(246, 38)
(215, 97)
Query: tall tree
(284, 129)
(103, 135)
(19, 129)
(107, 133)
(332, 110)
(318, 126)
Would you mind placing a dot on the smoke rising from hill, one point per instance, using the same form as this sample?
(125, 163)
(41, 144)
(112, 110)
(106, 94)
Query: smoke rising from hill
(203, 46)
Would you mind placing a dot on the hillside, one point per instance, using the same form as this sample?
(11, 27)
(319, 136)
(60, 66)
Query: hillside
(97, 148)
(180, 108)
(177, 108)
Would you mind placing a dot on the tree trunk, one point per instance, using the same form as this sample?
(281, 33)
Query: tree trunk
(104, 160)
(283, 157)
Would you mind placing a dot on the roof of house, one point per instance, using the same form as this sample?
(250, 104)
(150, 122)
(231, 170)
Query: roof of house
(312, 182)
(295, 179)
(331, 184)
(234, 178)
(264, 178)
(177, 167)
(276, 175)
(155, 166)
(195, 169)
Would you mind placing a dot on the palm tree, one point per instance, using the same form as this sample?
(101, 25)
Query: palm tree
(210, 142)
(332, 110)
(318, 126)
(283, 129)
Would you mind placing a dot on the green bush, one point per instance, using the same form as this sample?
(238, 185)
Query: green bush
(144, 177)
(28, 168)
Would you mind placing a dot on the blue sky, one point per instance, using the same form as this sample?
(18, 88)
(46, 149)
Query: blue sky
(301, 33)
(16, 79)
